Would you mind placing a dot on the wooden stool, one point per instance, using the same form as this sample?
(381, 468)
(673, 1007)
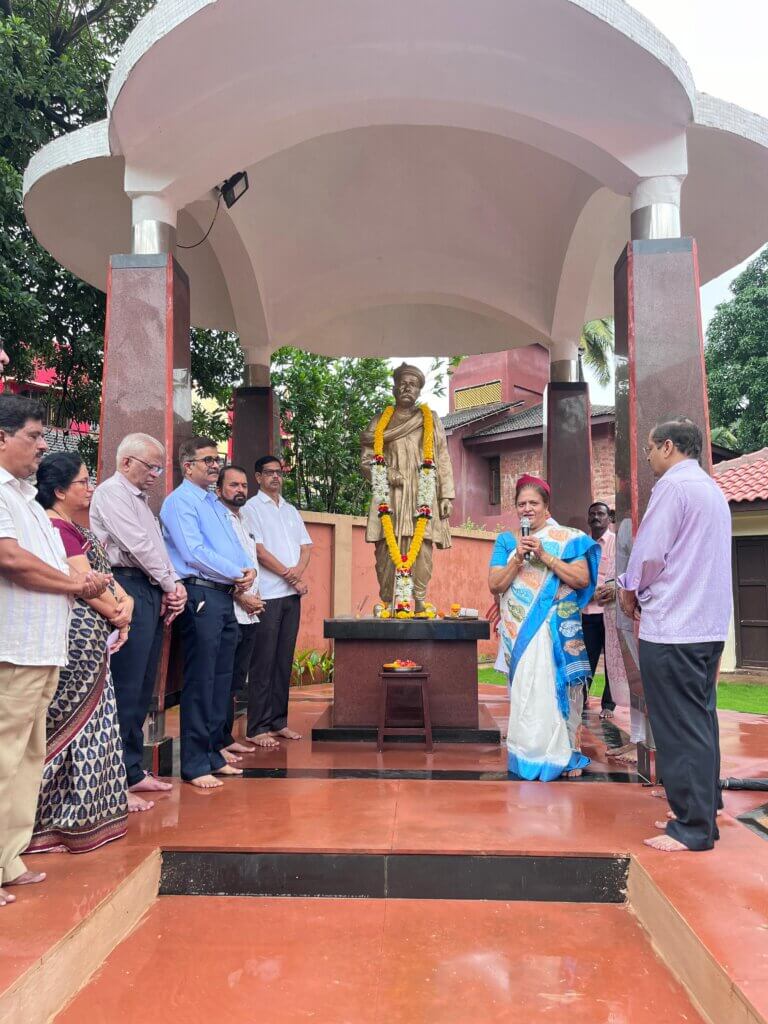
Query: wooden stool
(407, 679)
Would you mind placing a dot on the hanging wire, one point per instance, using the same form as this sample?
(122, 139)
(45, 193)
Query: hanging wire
(210, 229)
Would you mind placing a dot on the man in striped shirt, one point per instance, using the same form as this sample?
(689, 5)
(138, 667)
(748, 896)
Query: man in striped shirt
(36, 587)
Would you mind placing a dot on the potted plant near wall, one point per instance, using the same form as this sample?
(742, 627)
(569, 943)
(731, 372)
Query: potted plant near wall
(311, 667)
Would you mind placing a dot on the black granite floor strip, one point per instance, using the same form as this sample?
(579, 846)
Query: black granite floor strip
(430, 775)
(756, 821)
(394, 876)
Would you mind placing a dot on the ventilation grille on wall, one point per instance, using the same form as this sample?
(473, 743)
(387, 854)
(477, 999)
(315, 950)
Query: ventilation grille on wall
(480, 394)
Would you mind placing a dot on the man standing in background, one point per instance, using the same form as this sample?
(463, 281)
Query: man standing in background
(283, 547)
(232, 489)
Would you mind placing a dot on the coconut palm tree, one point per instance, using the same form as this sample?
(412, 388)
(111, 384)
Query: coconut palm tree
(596, 347)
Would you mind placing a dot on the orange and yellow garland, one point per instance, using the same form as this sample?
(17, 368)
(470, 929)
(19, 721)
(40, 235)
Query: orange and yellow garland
(404, 562)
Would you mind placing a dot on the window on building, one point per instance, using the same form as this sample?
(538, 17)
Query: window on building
(494, 480)
(479, 394)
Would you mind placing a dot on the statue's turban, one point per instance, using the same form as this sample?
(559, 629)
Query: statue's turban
(407, 368)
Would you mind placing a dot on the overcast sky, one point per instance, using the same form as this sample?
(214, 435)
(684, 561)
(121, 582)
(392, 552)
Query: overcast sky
(724, 44)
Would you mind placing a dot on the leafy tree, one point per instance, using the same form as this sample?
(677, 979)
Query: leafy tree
(325, 405)
(217, 368)
(54, 61)
(737, 358)
(596, 347)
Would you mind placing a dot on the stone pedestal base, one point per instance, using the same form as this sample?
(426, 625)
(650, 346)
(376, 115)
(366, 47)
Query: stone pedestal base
(446, 649)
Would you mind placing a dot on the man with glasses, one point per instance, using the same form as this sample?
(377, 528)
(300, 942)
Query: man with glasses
(213, 567)
(678, 584)
(36, 585)
(283, 547)
(130, 533)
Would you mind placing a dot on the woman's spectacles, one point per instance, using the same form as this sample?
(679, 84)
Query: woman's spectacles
(83, 480)
(153, 469)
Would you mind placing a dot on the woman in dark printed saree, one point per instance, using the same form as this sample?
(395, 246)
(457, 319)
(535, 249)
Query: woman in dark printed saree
(544, 580)
(83, 800)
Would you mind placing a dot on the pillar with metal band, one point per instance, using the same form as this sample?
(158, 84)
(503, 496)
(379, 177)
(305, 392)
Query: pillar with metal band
(660, 373)
(567, 437)
(153, 225)
(256, 418)
(147, 387)
(656, 207)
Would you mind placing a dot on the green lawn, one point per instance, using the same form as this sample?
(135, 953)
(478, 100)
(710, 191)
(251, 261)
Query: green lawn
(749, 698)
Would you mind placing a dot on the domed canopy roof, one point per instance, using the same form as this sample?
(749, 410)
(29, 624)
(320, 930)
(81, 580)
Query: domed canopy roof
(426, 176)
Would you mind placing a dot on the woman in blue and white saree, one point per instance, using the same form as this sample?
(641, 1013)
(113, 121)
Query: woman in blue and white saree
(544, 580)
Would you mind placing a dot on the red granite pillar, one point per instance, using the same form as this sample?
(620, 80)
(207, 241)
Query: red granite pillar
(146, 361)
(256, 422)
(146, 388)
(659, 374)
(568, 451)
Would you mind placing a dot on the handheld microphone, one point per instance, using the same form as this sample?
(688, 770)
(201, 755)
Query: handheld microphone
(525, 531)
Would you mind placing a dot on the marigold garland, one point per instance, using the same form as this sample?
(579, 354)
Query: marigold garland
(425, 498)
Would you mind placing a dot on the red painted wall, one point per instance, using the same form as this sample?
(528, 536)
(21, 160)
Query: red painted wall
(461, 574)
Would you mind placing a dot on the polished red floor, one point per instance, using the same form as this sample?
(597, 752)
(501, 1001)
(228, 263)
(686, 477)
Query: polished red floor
(197, 959)
(722, 894)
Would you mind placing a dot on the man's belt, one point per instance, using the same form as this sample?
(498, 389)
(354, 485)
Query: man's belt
(196, 581)
(128, 570)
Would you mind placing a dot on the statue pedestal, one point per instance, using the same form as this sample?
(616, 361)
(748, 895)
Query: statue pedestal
(446, 649)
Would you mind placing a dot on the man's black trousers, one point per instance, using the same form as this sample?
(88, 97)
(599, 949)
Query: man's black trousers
(594, 639)
(134, 668)
(680, 684)
(270, 673)
(209, 637)
(243, 653)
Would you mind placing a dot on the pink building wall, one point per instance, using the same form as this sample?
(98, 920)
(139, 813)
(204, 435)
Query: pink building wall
(523, 372)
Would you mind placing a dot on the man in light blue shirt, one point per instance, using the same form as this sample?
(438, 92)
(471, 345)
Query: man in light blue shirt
(212, 565)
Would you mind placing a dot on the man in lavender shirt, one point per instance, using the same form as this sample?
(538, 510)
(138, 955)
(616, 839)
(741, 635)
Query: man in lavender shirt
(678, 583)
(130, 533)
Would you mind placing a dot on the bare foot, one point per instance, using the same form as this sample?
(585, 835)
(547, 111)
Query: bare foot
(149, 784)
(205, 782)
(27, 878)
(136, 804)
(228, 769)
(240, 748)
(627, 748)
(573, 774)
(229, 758)
(666, 844)
(263, 740)
(6, 897)
(287, 734)
(626, 759)
(673, 817)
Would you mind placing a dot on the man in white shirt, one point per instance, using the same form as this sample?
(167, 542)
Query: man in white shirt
(36, 585)
(283, 547)
(232, 490)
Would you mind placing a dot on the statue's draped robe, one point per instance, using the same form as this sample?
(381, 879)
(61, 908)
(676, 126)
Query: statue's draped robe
(403, 452)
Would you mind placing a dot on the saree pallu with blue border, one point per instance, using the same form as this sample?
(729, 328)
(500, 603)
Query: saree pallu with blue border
(546, 656)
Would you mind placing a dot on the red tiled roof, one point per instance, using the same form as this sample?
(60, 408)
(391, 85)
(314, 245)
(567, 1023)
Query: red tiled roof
(745, 478)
